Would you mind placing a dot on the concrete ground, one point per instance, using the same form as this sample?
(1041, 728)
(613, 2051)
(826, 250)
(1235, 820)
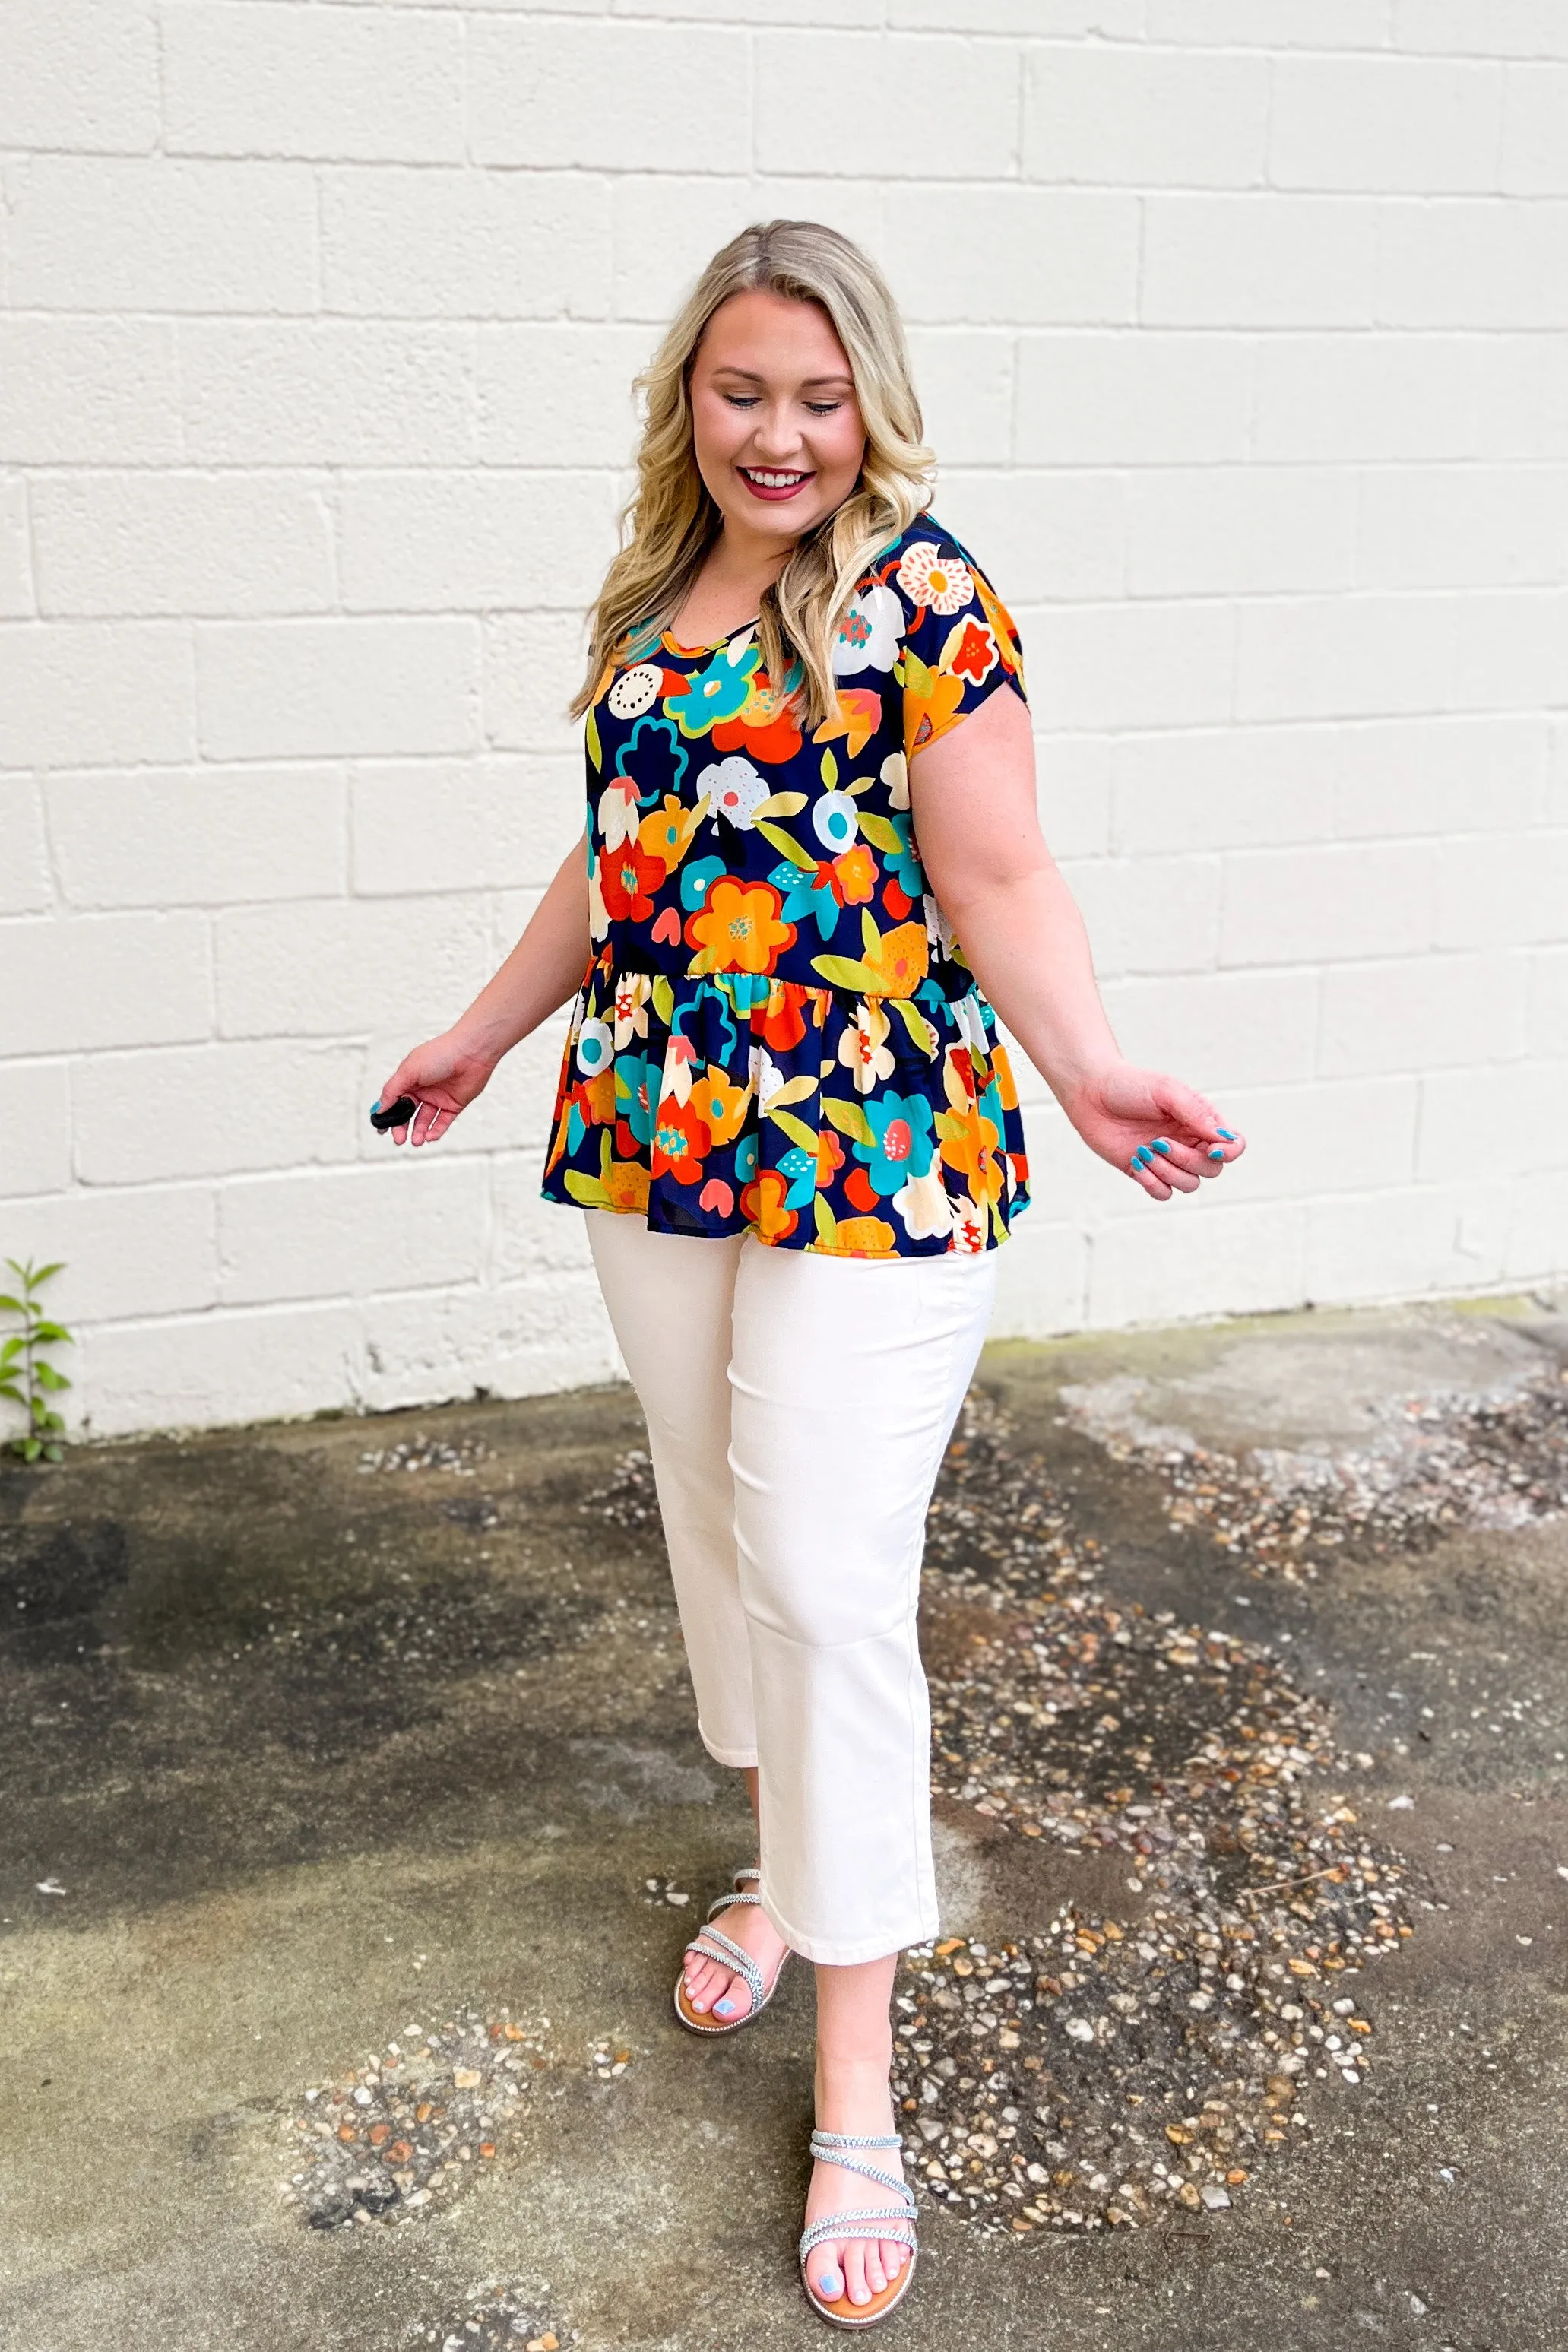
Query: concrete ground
(300, 1750)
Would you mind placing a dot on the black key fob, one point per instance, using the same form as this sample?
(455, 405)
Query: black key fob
(398, 1114)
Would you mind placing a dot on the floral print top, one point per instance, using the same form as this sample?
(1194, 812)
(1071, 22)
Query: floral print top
(778, 1029)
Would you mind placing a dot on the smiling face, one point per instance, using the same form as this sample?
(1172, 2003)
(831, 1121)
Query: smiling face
(776, 425)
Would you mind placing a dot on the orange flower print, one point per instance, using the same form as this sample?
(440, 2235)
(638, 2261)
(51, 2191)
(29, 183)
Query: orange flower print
(626, 1182)
(780, 1022)
(681, 1142)
(931, 703)
(1003, 626)
(629, 877)
(719, 1105)
(764, 728)
(928, 577)
(969, 1144)
(762, 1205)
(863, 1237)
(858, 716)
(667, 833)
(900, 959)
(830, 1157)
(738, 929)
(854, 876)
(970, 651)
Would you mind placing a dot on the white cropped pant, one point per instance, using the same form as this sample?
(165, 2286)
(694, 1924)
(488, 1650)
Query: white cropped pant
(797, 1408)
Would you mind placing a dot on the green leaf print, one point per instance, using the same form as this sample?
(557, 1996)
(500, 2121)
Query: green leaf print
(827, 1224)
(880, 833)
(796, 1130)
(591, 735)
(849, 1119)
(916, 1024)
(788, 848)
(843, 972)
(663, 998)
(586, 1189)
(830, 772)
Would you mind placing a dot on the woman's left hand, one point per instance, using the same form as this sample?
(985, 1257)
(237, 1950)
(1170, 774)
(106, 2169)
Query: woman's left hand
(1159, 1132)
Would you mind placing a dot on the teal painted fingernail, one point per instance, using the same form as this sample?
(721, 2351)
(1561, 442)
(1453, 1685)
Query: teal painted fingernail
(1144, 1156)
(1214, 1152)
(1225, 1132)
(1161, 1145)
(1134, 1165)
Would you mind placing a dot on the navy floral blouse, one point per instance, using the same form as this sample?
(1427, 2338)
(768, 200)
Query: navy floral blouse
(778, 1030)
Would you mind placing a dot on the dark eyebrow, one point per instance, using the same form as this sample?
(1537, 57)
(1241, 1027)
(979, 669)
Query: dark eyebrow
(811, 381)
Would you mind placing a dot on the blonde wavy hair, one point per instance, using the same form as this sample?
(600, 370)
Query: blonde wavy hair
(671, 520)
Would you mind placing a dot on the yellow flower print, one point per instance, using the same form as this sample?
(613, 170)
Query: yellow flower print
(738, 929)
(865, 1049)
(667, 832)
(720, 1106)
(899, 958)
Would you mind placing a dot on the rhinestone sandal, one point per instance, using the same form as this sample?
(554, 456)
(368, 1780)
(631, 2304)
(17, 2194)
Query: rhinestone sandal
(715, 1944)
(896, 2222)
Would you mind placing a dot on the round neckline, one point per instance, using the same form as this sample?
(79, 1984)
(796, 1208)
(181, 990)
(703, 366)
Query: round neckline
(715, 643)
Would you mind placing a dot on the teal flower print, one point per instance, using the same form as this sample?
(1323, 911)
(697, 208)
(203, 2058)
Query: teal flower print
(902, 1143)
(902, 863)
(800, 1167)
(696, 876)
(806, 893)
(651, 758)
(637, 1093)
(714, 694)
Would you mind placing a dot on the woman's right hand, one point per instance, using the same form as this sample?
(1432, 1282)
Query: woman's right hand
(443, 1076)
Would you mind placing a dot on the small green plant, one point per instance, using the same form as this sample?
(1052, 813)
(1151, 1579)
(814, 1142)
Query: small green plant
(27, 1376)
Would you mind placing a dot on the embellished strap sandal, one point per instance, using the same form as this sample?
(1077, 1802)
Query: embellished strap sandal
(715, 1944)
(896, 2222)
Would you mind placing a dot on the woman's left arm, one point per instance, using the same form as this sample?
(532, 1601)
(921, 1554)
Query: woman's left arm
(972, 794)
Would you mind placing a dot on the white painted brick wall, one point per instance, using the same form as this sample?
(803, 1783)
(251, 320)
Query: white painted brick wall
(1242, 329)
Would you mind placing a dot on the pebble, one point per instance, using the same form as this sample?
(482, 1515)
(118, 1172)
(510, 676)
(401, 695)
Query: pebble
(1110, 2070)
(498, 2315)
(421, 1453)
(1122, 2066)
(409, 2130)
(1439, 1463)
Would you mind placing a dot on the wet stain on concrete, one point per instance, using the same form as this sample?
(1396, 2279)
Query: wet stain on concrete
(316, 1751)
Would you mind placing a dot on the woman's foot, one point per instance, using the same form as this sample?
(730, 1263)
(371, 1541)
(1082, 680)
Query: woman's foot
(709, 1985)
(853, 2098)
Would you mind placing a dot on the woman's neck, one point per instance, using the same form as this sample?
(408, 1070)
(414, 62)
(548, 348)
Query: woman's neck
(727, 592)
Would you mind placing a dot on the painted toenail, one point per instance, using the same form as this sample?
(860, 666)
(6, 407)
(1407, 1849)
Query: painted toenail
(831, 2284)
(726, 2008)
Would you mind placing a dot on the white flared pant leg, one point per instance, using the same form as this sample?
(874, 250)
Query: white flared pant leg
(847, 1377)
(794, 1499)
(670, 1300)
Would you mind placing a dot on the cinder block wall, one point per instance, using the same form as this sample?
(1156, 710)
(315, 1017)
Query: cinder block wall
(1239, 325)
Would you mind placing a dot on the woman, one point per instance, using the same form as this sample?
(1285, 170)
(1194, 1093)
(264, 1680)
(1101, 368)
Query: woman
(810, 776)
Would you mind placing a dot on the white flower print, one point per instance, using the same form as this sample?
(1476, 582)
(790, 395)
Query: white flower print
(928, 577)
(939, 931)
(734, 790)
(864, 1050)
(925, 1205)
(636, 690)
(618, 816)
(869, 632)
(631, 992)
(765, 1073)
(895, 774)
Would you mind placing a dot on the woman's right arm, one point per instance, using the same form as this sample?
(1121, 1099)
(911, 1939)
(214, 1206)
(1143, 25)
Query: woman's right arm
(542, 972)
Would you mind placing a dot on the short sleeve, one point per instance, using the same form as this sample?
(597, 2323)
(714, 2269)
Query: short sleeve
(959, 642)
